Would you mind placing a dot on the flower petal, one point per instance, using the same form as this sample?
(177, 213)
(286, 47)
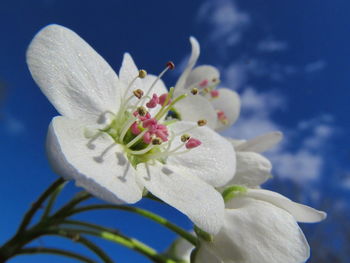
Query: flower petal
(214, 161)
(76, 80)
(112, 179)
(127, 73)
(261, 143)
(257, 231)
(228, 102)
(201, 73)
(181, 249)
(180, 84)
(196, 107)
(301, 213)
(253, 169)
(206, 255)
(186, 192)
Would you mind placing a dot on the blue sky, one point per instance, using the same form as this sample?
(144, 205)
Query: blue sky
(289, 61)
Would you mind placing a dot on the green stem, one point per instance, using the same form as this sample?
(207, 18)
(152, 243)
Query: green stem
(37, 204)
(80, 197)
(40, 250)
(156, 218)
(52, 201)
(124, 241)
(74, 235)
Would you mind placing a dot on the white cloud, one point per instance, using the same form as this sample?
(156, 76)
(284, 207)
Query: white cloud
(315, 66)
(12, 125)
(227, 22)
(271, 45)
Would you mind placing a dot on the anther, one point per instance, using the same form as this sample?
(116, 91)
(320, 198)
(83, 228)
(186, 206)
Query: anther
(156, 141)
(153, 102)
(214, 93)
(185, 137)
(194, 91)
(214, 80)
(142, 73)
(138, 93)
(203, 83)
(192, 143)
(202, 122)
(170, 65)
(164, 98)
(142, 111)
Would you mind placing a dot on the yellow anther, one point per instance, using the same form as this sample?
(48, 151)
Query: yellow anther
(194, 91)
(142, 111)
(185, 137)
(156, 141)
(202, 122)
(138, 93)
(142, 73)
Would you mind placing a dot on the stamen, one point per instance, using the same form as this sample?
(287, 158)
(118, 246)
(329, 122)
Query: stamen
(185, 137)
(203, 83)
(138, 93)
(222, 117)
(142, 73)
(192, 143)
(164, 100)
(214, 93)
(138, 137)
(169, 65)
(157, 141)
(202, 122)
(135, 128)
(142, 111)
(194, 91)
(139, 152)
(126, 127)
(99, 158)
(153, 102)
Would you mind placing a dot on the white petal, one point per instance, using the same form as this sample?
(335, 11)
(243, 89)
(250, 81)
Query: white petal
(181, 249)
(127, 73)
(194, 108)
(214, 161)
(257, 231)
(253, 169)
(301, 213)
(112, 180)
(228, 102)
(204, 72)
(261, 143)
(76, 80)
(180, 84)
(206, 255)
(186, 192)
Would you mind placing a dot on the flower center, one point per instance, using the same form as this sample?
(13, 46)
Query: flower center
(141, 125)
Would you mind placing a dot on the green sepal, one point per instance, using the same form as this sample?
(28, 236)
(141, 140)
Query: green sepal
(233, 191)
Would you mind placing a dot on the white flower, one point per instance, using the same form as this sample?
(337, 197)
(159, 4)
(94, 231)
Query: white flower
(260, 226)
(253, 169)
(220, 107)
(112, 138)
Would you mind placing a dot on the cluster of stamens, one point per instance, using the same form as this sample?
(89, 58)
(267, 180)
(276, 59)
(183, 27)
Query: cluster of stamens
(206, 88)
(139, 132)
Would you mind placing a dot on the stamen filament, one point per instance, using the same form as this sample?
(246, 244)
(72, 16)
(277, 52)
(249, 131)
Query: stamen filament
(133, 141)
(148, 148)
(126, 127)
(165, 110)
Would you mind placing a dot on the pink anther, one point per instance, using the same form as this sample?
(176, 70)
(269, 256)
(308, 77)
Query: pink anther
(221, 115)
(153, 102)
(192, 143)
(214, 93)
(203, 83)
(163, 98)
(135, 129)
(147, 138)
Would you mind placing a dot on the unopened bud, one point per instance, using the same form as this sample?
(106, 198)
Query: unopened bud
(156, 141)
(142, 73)
(142, 111)
(185, 137)
(138, 93)
(194, 91)
(202, 122)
